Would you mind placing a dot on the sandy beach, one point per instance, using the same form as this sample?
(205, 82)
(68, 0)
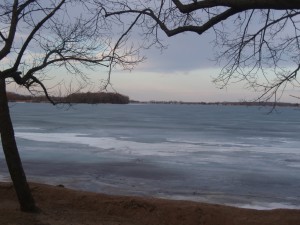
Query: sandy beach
(62, 206)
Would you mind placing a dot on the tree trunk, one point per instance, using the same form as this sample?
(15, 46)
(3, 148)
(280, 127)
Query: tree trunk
(12, 155)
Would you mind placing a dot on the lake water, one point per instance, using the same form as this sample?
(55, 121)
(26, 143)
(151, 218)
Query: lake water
(235, 155)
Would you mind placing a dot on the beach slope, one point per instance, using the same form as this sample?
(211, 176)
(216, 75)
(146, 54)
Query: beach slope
(61, 206)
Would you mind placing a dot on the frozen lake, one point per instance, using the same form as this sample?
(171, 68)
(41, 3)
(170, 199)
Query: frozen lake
(233, 155)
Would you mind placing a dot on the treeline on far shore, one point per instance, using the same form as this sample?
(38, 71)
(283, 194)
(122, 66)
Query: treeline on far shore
(242, 103)
(87, 97)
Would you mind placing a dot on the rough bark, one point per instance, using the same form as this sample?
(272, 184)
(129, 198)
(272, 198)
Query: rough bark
(12, 156)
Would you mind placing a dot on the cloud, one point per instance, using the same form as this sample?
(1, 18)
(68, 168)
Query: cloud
(184, 53)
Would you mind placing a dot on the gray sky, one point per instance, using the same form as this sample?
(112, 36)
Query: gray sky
(185, 72)
(182, 72)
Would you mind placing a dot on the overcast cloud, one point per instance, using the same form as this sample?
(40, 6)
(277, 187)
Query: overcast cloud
(184, 53)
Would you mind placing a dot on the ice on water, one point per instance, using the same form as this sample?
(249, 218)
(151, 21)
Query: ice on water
(234, 151)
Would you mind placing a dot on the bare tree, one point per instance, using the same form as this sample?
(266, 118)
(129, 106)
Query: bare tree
(257, 41)
(37, 36)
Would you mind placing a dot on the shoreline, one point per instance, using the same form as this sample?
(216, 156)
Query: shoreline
(134, 185)
(238, 201)
(60, 206)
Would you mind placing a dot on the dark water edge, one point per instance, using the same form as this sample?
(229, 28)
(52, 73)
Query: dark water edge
(149, 180)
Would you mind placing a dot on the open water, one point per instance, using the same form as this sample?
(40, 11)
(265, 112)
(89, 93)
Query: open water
(234, 155)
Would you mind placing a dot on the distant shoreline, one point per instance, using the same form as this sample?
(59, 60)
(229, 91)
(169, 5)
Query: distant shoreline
(116, 98)
(248, 104)
(82, 97)
(271, 104)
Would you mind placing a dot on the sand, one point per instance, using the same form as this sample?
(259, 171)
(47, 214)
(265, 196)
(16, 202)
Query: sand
(62, 206)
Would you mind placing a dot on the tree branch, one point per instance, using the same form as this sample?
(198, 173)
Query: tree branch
(36, 80)
(180, 29)
(238, 4)
(2, 36)
(33, 32)
(12, 31)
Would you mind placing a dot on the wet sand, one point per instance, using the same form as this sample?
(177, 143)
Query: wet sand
(62, 206)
